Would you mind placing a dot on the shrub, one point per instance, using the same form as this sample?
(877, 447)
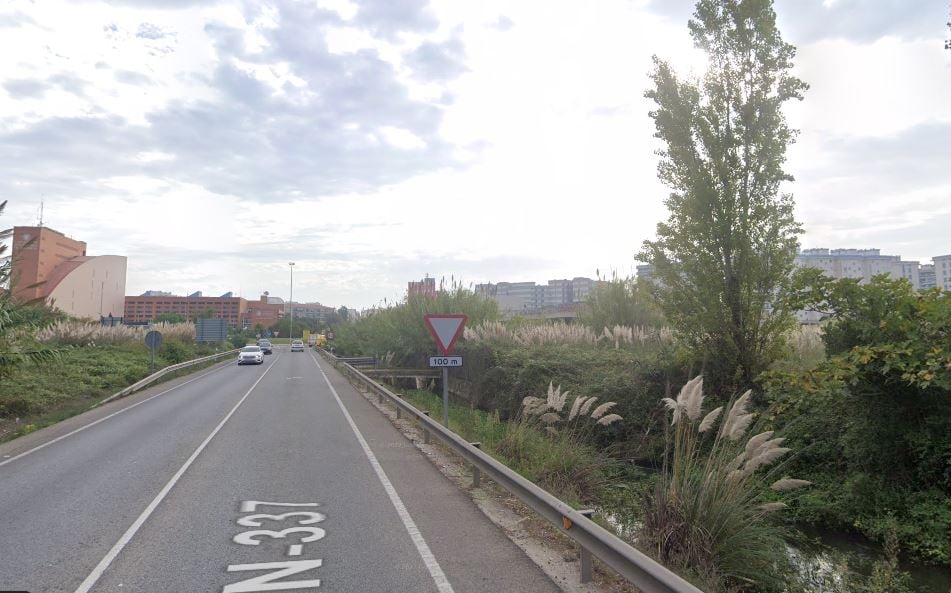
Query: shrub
(709, 514)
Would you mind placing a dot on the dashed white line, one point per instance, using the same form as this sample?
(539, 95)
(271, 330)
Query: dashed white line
(100, 568)
(439, 577)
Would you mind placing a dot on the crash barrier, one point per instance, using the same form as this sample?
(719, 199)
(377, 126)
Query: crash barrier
(365, 361)
(640, 570)
(141, 384)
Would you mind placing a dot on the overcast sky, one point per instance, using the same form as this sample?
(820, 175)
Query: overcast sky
(375, 141)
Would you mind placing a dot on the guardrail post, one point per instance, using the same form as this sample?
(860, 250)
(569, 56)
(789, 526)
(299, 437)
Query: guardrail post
(584, 556)
(399, 412)
(476, 472)
(379, 397)
(426, 435)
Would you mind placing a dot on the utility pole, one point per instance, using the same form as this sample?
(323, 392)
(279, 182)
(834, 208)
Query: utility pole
(291, 336)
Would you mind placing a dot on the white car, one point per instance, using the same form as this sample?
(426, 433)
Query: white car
(297, 346)
(251, 355)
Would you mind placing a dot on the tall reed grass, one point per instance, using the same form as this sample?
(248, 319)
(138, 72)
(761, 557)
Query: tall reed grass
(709, 515)
(81, 333)
(563, 333)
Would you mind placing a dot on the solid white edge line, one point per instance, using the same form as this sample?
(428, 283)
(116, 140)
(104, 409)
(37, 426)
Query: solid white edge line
(104, 418)
(439, 577)
(100, 568)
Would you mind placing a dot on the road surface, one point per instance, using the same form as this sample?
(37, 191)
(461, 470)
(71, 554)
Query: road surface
(278, 477)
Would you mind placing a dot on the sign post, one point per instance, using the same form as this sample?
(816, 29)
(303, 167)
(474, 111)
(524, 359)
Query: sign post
(445, 329)
(153, 340)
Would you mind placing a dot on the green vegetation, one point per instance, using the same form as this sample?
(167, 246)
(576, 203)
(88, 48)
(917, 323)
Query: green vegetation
(561, 463)
(169, 318)
(725, 255)
(873, 419)
(400, 329)
(863, 402)
(622, 301)
(709, 514)
(93, 362)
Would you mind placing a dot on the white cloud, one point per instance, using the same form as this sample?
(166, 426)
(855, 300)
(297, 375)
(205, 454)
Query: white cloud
(402, 138)
(489, 140)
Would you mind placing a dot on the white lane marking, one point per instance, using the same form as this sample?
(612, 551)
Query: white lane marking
(103, 419)
(439, 577)
(100, 568)
(295, 550)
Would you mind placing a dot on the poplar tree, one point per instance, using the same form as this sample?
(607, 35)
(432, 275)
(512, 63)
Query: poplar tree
(724, 257)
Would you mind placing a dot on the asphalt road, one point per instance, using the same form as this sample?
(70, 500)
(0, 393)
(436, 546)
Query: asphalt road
(242, 479)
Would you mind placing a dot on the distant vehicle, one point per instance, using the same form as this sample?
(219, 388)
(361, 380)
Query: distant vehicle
(266, 346)
(311, 340)
(321, 341)
(297, 346)
(251, 355)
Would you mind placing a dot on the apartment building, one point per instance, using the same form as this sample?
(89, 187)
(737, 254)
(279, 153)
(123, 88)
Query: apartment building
(530, 298)
(926, 277)
(144, 309)
(312, 311)
(942, 271)
(425, 287)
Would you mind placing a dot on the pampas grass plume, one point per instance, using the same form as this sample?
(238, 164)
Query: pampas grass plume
(609, 419)
(787, 484)
(709, 420)
(602, 409)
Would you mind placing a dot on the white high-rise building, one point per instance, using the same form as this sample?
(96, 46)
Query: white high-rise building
(926, 276)
(942, 271)
(863, 264)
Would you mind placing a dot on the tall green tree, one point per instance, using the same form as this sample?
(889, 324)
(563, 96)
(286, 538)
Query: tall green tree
(621, 301)
(724, 257)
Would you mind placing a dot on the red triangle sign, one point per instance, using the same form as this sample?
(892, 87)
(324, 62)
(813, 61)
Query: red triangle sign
(446, 329)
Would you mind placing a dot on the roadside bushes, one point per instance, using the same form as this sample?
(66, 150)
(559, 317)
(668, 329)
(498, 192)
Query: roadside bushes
(872, 420)
(400, 329)
(501, 376)
(86, 370)
(709, 514)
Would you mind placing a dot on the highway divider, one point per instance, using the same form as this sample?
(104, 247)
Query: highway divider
(636, 567)
(143, 383)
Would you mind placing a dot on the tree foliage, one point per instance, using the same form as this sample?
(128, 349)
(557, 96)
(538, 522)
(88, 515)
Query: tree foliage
(400, 329)
(169, 317)
(874, 418)
(621, 301)
(724, 256)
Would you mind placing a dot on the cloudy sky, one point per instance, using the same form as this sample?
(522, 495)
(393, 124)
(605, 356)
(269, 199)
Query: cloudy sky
(376, 141)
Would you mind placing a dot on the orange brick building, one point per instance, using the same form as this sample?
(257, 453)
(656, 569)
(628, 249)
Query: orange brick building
(237, 311)
(49, 265)
(141, 309)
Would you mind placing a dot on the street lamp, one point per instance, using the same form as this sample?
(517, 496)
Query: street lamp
(291, 336)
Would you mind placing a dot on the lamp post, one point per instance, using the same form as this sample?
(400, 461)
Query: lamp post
(290, 338)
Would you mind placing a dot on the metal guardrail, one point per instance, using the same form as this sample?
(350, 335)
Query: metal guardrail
(636, 567)
(357, 360)
(161, 373)
(403, 373)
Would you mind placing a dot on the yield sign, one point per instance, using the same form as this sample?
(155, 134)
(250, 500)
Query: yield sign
(446, 329)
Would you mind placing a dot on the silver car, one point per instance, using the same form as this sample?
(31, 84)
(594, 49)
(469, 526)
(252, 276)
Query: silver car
(297, 346)
(251, 355)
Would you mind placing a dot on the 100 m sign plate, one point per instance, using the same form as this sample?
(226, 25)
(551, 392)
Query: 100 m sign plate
(445, 361)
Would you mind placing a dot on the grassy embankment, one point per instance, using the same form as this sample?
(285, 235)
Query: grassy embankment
(93, 363)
